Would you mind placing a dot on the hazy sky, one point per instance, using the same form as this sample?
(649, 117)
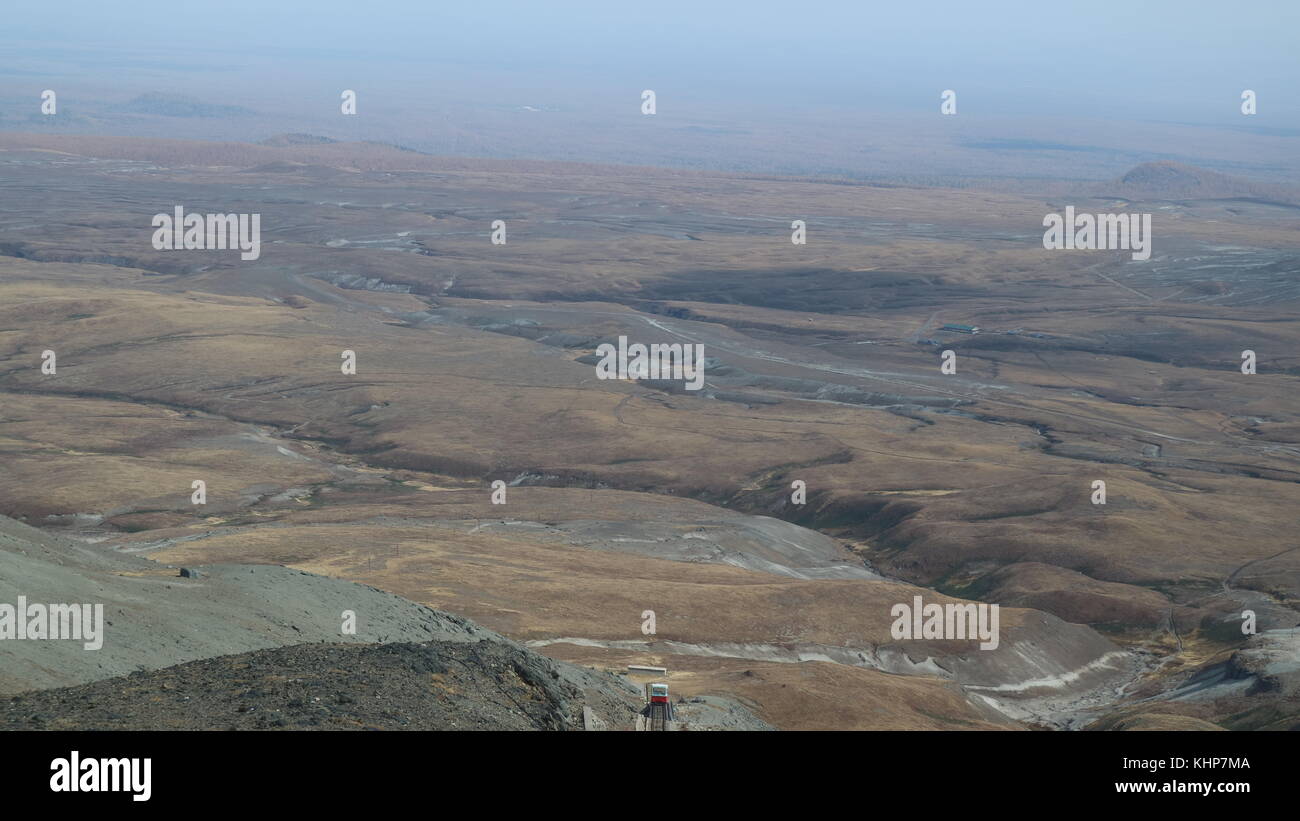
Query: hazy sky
(1147, 59)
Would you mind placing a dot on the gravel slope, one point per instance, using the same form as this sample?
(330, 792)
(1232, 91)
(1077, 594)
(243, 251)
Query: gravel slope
(438, 685)
(154, 618)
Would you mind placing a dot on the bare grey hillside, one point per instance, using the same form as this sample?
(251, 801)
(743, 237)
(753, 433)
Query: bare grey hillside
(155, 618)
(220, 627)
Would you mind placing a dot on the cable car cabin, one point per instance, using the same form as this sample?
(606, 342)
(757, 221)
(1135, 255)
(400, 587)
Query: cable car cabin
(657, 693)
